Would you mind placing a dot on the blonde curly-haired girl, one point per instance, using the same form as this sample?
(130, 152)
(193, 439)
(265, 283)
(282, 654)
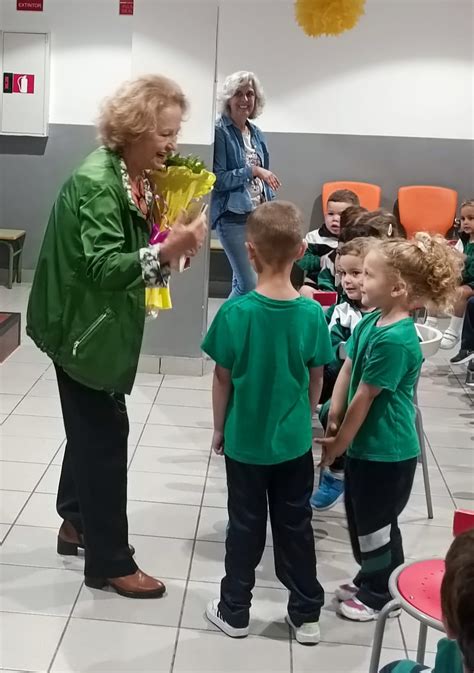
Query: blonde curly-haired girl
(372, 414)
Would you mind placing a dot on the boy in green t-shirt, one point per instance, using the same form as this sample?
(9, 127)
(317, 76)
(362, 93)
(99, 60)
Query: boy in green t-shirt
(372, 414)
(457, 605)
(270, 347)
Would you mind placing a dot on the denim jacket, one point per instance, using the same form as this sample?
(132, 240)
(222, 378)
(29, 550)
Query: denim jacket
(232, 172)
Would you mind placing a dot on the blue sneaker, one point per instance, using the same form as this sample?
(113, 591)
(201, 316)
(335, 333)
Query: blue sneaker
(329, 492)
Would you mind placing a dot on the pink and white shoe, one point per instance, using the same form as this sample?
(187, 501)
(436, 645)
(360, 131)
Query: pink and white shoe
(357, 611)
(345, 592)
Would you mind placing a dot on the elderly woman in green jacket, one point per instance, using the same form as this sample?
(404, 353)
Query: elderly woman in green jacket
(87, 312)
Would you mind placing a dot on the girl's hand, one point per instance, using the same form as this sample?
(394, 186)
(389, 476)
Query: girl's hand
(332, 449)
(217, 444)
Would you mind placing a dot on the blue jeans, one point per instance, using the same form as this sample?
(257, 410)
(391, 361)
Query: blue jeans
(232, 231)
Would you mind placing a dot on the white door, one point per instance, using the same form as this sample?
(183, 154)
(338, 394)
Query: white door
(24, 84)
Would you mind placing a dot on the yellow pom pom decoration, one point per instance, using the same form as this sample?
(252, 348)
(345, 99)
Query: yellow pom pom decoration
(328, 17)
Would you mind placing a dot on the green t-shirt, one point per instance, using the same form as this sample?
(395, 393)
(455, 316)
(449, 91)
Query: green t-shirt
(269, 347)
(468, 272)
(390, 358)
(448, 660)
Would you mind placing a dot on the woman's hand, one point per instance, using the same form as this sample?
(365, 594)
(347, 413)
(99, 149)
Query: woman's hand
(267, 176)
(184, 239)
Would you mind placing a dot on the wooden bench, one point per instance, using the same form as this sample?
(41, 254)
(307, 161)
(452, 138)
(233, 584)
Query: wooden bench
(216, 244)
(14, 240)
(10, 334)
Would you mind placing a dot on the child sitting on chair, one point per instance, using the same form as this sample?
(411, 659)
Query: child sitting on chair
(372, 412)
(455, 654)
(343, 319)
(466, 291)
(325, 239)
(466, 353)
(382, 220)
(356, 222)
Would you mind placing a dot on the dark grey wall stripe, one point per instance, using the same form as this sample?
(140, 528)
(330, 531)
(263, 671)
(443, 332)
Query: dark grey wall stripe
(32, 170)
(305, 161)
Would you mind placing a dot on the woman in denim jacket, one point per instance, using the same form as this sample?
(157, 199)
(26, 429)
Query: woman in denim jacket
(241, 164)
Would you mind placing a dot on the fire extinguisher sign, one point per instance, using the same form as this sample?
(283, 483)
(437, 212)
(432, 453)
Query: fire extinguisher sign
(18, 83)
(29, 5)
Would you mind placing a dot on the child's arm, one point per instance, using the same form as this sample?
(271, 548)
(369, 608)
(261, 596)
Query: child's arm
(315, 386)
(339, 396)
(355, 416)
(339, 335)
(221, 390)
(310, 262)
(326, 280)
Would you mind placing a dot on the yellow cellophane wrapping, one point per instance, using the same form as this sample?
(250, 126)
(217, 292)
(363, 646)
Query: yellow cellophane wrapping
(178, 186)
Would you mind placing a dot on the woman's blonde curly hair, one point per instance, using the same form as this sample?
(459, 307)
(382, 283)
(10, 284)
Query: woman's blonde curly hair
(134, 109)
(429, 267)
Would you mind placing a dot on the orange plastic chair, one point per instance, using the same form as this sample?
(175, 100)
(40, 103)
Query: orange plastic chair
(427, 208)
(369, 195)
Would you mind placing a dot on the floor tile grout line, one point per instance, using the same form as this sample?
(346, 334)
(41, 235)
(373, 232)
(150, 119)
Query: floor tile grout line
(441, 472)
(402, 634)
(46, 466)
(290, 645)
(130, 460)
(24, 394)
(191, 559)
(63, 633)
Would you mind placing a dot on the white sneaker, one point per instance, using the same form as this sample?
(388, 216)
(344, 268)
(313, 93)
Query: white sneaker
(306, 634)
(345, 592)
(357, 611)
(214, 615)
(431, 321)
(449, 340)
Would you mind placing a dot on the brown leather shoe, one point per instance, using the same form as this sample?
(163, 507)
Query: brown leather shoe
(69, 540)
(138, 585)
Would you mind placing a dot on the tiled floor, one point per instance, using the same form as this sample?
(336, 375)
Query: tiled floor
(51, 622)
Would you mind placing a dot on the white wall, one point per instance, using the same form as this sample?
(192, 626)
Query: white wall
(406, 70)
(94, 49)
(178, 38)
(90, 52)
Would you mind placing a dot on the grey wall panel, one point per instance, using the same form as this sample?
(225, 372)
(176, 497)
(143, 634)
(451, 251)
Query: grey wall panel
(32, 171)
(305, 161)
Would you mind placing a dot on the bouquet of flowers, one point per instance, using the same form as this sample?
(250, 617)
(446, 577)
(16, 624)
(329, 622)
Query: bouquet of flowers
(180, 185)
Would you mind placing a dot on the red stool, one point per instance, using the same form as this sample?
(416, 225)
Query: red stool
(325, 298)
(415, 588)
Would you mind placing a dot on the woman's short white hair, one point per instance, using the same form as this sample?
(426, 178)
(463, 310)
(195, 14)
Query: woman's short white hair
(236, 81)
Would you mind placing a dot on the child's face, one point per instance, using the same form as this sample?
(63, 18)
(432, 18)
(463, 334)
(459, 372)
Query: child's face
(467, 220)
(332, 218)
(377, 286)
(350, 268)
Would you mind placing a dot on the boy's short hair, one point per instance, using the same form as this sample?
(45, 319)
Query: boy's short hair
(276, 230)
(358, 247)
(351, 215)
(383, 220)
(359, 230)
(344, 196)
(457, 595)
